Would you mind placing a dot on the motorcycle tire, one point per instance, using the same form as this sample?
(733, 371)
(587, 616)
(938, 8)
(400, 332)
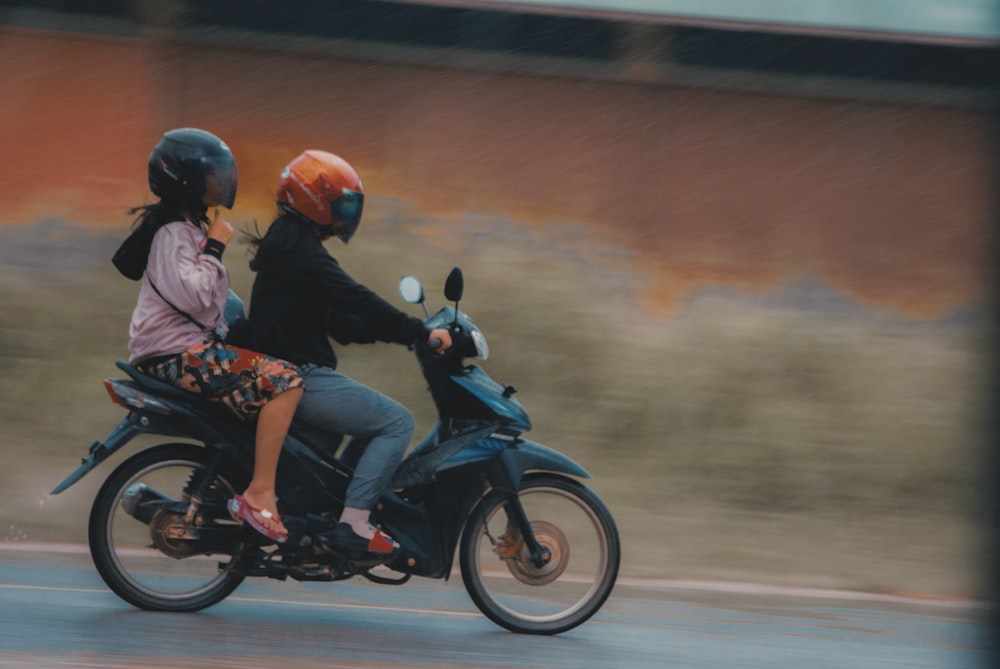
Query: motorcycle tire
(148, 561)
(577, 531)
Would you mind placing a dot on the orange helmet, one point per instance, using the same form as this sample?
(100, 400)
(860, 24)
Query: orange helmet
(324, 189)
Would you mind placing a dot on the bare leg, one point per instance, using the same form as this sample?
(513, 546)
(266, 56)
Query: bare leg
(272, 427)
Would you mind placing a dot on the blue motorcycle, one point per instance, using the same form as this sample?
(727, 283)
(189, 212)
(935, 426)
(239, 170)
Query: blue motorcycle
(538, 551)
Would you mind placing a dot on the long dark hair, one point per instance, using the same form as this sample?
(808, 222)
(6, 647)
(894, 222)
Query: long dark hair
(133, 254)
(151, 217)
(154, 216)
(282, 238)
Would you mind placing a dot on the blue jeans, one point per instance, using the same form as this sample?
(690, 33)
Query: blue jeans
(334, 405)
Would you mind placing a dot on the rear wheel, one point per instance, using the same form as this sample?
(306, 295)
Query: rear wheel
(140, 542)
(574, 529)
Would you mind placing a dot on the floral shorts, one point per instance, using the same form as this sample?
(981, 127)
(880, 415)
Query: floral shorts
(242, 380)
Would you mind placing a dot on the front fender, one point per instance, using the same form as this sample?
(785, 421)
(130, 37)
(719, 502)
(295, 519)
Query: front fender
(526, 455)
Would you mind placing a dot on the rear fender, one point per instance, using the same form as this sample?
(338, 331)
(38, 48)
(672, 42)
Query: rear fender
(99, 451)
(181, 423)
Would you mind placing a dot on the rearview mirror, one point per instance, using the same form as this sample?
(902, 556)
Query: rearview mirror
(454, 285)
(411, 290)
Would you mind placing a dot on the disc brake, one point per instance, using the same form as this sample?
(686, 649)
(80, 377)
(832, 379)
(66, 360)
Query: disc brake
(514, 551)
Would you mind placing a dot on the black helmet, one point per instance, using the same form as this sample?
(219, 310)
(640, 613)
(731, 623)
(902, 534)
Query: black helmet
(193, 167)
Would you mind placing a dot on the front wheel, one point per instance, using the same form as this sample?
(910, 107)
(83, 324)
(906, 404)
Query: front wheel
(145, 548)
(574, 529)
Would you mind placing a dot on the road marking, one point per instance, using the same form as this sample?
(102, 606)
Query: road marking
(735, 587)
(13, 586)
(372, 607)
(25, 547)
(744, 588)
(264, 600)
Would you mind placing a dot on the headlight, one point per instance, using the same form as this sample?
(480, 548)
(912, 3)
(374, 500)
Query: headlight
(482, 348)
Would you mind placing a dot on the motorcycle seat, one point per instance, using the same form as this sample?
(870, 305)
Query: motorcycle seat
(167, 391)
(155, 385)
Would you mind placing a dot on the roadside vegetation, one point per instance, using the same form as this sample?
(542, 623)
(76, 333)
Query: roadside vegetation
(731, 440)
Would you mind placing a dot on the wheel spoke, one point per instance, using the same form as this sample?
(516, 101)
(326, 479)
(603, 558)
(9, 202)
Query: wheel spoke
(148, 546)
(575, 532)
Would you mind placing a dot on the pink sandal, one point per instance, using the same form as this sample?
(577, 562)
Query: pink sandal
(241, 509)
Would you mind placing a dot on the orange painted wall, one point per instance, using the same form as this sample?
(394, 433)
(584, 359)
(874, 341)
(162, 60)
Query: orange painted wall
(888, 203)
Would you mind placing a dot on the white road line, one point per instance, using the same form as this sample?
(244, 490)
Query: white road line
(734, 587)
(14, 586)
(263, 600)
(372, 607)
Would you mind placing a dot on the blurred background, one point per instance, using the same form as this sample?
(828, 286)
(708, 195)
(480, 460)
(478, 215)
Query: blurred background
(735, 256)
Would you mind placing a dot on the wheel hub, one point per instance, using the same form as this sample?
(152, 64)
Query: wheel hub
(517, 555)
(171, 536)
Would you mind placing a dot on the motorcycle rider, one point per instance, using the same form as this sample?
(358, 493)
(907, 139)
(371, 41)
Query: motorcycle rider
(301, 297)
(177, 252)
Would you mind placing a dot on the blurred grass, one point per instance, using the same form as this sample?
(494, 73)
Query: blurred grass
(730, 439)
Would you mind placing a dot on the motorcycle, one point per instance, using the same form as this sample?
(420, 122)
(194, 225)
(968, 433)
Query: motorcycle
(538, 551)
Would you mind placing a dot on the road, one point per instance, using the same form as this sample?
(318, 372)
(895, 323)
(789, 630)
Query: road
(55, 612)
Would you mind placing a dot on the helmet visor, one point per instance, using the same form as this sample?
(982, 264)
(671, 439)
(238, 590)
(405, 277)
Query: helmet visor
(220, 180)
(346, 213)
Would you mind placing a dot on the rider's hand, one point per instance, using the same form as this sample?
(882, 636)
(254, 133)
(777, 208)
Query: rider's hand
(442, 335)
(220, 228)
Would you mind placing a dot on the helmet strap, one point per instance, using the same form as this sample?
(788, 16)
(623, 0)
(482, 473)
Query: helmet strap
(321, 230)
(288, 209)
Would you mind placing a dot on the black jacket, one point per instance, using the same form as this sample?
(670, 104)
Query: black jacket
(302, 296)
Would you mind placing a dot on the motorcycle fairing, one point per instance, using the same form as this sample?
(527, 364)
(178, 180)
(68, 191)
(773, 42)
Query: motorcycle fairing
(443, 441)
(307, 481)
(429, 522)
(520, 455)
(497, 398)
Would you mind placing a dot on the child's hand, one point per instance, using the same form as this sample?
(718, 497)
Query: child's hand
(220, 228)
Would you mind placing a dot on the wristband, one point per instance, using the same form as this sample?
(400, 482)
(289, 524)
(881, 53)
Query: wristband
(214, 248)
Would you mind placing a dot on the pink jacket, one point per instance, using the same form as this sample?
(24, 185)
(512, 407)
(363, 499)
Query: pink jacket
(193, 281)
